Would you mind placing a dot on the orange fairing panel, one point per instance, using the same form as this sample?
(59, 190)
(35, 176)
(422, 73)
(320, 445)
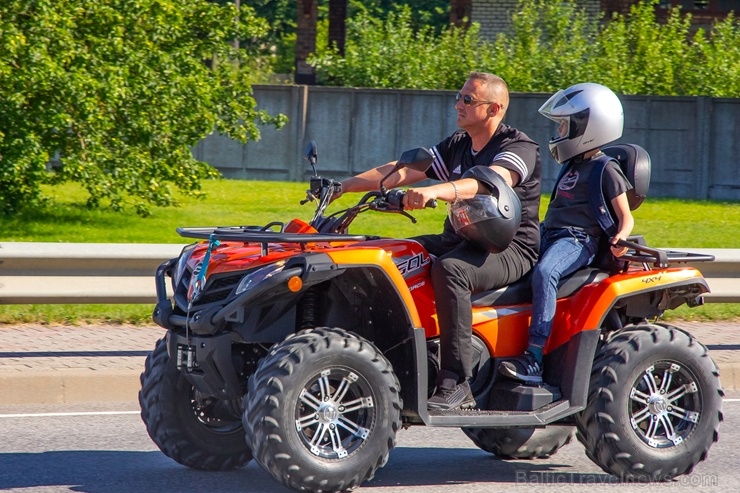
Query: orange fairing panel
(623, 285)
(504, 329)
(382, 259)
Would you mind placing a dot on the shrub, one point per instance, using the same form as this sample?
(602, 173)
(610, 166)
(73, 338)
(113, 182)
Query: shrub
(551, 45)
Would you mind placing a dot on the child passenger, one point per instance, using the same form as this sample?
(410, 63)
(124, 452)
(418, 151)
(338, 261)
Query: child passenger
(588, 116)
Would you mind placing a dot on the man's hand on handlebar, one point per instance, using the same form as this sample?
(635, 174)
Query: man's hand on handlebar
(419, 198)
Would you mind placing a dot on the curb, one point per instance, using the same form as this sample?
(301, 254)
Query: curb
(81, 386)
(73, 386)
(729, 375)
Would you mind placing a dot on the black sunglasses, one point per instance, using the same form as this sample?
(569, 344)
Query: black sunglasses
(468, 99)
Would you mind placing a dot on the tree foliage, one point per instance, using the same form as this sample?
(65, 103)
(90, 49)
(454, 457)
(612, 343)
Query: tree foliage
(433, 14)
(551, 45)
(548, 43)
(121, 90)
(391, 53)
(281, 16)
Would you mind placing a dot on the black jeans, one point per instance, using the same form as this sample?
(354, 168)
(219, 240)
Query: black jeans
(460, 270)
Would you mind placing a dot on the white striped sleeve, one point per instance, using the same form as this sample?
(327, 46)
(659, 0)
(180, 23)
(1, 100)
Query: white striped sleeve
(438, 166)
(515, 162)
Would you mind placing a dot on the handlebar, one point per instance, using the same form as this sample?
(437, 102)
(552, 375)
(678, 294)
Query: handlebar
(381, 200)
(395, 198)
(324, 190)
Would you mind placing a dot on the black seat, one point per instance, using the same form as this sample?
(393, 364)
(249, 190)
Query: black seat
(520, 291)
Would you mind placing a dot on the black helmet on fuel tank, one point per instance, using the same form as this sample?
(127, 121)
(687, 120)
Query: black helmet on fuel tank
(489, 221)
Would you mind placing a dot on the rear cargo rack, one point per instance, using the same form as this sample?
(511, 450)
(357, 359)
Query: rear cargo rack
(641, 253)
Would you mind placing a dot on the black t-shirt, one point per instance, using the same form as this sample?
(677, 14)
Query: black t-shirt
(570, 206)
(510, 149)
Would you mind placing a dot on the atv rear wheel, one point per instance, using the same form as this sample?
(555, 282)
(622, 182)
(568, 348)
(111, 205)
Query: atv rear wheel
(183, 426)
(521, 443)
(322, 411)
(654, 404)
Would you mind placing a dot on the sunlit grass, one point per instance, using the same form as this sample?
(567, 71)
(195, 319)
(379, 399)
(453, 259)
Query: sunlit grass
(76, 314)
(668, 223)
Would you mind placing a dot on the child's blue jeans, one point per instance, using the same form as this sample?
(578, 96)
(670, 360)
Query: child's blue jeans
(562, 252)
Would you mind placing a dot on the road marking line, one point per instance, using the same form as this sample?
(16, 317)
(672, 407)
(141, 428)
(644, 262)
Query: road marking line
(54, 415)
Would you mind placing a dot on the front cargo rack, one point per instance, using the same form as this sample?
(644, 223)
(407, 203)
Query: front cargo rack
(262, 235)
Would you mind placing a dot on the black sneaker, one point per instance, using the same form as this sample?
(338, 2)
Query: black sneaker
(523, 368)
(446, 399)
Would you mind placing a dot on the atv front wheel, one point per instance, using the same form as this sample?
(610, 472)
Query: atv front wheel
(654, 404)
(521, 443)
(322, 411)
(186, 428)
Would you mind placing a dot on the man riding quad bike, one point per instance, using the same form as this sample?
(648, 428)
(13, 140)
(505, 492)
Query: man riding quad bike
(308, 348)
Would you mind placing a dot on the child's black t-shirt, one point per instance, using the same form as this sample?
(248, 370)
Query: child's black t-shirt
(570, 206)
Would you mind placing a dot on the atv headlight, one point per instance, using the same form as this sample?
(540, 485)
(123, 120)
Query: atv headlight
(259, 275)
(182, 263)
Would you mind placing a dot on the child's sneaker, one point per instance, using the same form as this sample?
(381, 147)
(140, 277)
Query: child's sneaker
(524, 368)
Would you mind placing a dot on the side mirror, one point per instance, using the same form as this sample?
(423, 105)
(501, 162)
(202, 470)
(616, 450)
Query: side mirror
(418, 159)
(311, 153)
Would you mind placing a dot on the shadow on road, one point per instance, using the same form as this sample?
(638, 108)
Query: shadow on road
(408, 467)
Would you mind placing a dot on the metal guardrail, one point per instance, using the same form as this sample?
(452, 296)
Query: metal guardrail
(111, 273)
(722, 275)
(80, 273)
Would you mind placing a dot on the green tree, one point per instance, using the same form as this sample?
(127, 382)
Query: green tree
(279, 45)
(551, 45)
(638, 55)
(121, 89)
(550, 42)
(392, 53)
(434, 14)
(717, 70)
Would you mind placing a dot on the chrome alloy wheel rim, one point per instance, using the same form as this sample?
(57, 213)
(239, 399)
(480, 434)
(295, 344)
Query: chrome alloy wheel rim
(335, 413)
(665, 404)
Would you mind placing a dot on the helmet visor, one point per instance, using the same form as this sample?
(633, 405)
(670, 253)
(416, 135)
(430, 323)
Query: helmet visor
(559, 105)
(468, 212)
(558, 109)
(556, 99)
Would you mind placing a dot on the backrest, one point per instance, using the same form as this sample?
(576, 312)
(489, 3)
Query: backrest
(635, 164)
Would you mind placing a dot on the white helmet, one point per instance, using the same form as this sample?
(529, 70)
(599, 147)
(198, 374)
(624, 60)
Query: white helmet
(593, 116)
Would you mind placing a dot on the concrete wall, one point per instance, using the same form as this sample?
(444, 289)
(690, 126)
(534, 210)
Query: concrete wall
(694, 142)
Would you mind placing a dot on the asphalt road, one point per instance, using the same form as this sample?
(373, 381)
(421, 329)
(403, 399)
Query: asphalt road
(105, 449)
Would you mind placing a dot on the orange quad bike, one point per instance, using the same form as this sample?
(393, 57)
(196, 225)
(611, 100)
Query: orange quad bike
(308, 348)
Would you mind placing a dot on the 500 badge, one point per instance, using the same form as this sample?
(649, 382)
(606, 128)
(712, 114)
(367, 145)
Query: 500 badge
(413, 263)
